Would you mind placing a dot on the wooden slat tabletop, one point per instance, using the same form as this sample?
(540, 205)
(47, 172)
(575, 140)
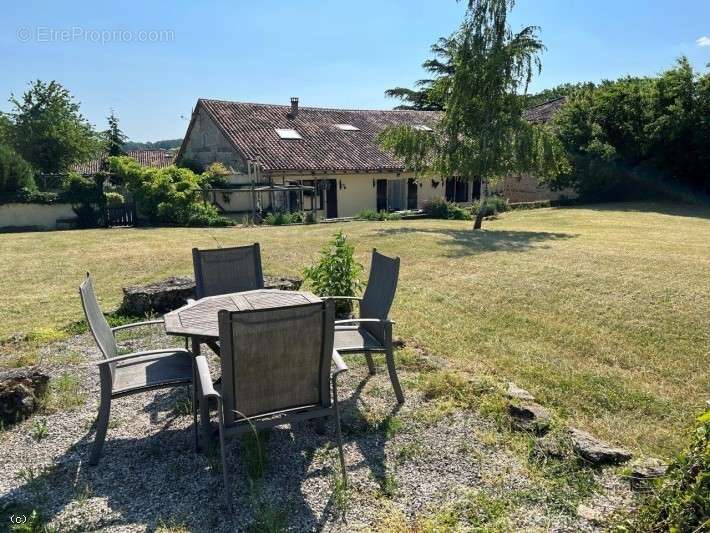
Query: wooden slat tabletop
(199, 319)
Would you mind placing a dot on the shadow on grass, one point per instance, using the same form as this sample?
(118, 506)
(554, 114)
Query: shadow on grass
(467, 242)
(699, 210)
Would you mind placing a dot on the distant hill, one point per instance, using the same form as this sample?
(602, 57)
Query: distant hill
(157, 145)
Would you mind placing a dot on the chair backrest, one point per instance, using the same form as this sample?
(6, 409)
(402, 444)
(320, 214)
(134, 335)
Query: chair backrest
(276, 360)
(381, 286)
(97, 322)
(226, 270)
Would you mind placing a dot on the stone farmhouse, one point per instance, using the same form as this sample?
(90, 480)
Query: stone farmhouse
(334, 153)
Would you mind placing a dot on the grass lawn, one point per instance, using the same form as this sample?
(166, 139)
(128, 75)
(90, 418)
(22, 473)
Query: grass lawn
(602, 312)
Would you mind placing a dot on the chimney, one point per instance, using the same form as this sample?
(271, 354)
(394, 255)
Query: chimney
(294, 107)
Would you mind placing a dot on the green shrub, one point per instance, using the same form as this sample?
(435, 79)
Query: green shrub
(216, 175)
(169, 195)
(371, 214)
(336, 273)
(440, 208)
(15, 173)
(114, 199)
(87, 198)
(29, 196)
(680, 501)
(281, 218)
(492, 206)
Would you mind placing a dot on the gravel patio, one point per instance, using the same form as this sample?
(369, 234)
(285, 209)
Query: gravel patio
(405, 466)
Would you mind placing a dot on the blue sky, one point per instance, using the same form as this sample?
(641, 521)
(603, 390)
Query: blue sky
(340, 54)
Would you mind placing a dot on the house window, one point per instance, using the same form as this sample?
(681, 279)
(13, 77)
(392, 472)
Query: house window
(286, 133)
(457, 190)
(347, 127)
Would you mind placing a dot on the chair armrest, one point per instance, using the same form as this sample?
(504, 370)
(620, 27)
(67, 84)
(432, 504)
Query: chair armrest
(134, 355)
(361, 320)
(137, 324)
(203, 374)
(340, 365)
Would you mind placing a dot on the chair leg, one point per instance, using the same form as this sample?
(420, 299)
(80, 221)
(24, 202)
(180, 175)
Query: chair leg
(370, 363)
(101, 425)
(223, 453)
(338, 432)
(193, 399)
(389, 356)
(204, 405)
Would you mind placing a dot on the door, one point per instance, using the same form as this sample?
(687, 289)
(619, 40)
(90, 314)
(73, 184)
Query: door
(331, 199)
(412, 191)
(381, 195)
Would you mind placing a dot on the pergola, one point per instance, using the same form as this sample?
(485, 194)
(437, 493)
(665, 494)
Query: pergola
(254, 188)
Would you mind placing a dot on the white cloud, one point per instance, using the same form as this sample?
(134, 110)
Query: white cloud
(703, 41)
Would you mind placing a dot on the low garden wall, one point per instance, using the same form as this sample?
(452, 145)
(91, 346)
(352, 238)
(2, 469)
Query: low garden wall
(15, 216)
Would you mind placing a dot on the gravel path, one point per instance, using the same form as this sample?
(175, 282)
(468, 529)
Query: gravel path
(400, 466)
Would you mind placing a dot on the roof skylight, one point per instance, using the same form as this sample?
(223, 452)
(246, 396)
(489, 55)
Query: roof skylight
(422, 127)
(347, 127)
(286, 133)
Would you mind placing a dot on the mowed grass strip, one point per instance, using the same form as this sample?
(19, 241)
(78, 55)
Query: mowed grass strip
(603, 312)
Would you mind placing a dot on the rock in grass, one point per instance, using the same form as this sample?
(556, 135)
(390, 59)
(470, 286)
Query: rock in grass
(548, 446)
(642, 473)
(21, 392)
(516, 392)
(530, 416)
(158, 297)
(596, 451)
(172, 293)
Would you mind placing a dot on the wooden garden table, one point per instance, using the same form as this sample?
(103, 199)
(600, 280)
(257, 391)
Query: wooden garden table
(198, 321)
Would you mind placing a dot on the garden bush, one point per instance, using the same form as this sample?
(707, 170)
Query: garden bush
(29, 196)
(87, 198)
(492, 206)
(680, 501)
(15, 173)
(169, 195)
(336, 273)
(371, 214)
(281, 218)
(114, 199)
(440, 208)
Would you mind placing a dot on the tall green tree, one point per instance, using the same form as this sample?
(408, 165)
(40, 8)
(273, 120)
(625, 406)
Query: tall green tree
(626, 136)
(430, 94)
(49, 130)
(113, 137)
(482, 133)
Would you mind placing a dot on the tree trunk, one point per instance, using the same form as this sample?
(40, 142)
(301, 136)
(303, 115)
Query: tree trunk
(482, 200)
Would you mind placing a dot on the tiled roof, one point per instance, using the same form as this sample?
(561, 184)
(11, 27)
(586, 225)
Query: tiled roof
(251, 129)
(147, 158)
(542, 113)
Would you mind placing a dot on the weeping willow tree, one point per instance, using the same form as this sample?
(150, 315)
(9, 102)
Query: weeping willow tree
(482, 133)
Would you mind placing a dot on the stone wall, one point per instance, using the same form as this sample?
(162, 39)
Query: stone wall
(526, 189)
(206, 144)
(33, 216)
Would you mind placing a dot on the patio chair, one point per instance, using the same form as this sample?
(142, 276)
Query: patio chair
(122, 375)
(372, 331)
(226, 270)
(276, 369)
